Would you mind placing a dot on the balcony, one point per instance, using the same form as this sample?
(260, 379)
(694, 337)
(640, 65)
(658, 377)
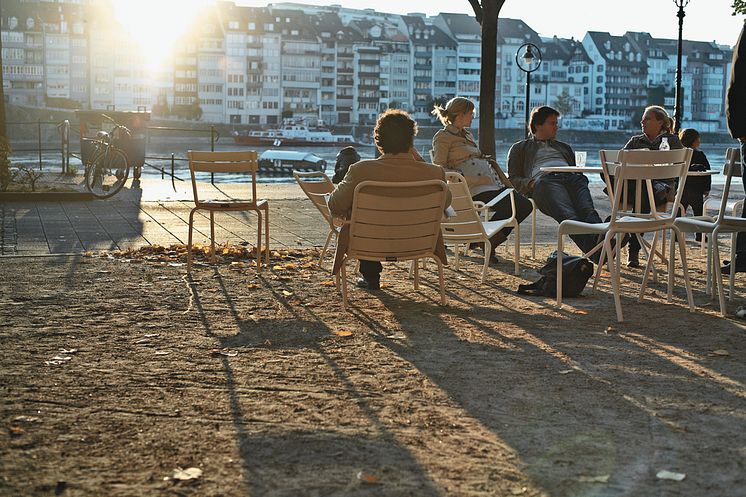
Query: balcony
(374, 75)
(422, 79)
(345, 70)
(367, 99)
(369, 87)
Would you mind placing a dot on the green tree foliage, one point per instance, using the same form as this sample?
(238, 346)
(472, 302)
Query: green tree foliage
(739, 7)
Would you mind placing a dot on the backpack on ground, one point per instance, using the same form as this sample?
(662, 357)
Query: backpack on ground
(576, 271)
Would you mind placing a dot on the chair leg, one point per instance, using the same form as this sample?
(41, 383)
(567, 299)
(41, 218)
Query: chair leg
(732, 274)
(416, 274)
(344, 284)
(718, 274)
(266, 234)
(560, 249)
(517, 253)
(615, 284)
(487, 253)
(672, 266)
(685, 267)
(441, 281)
(326, 245)
(258, 240)
(533, 229)
(189, 240)
(456, 252)
(708, 272)
(601, 260)
(212, 237)
(648, 267)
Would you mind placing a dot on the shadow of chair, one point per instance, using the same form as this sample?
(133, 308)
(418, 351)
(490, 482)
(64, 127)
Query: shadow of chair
(395, 221)
(317, 186)
(641, 167)
(467, 226)
(227, 162)
(714, 227)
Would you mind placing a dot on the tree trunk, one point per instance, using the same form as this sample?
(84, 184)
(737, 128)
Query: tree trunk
(487, 14)
(3, 130)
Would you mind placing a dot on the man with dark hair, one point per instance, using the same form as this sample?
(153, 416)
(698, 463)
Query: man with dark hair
(394, 136)
(345, 158)
(559, 195)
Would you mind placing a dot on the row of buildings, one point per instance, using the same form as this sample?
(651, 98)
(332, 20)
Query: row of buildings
(258, 65)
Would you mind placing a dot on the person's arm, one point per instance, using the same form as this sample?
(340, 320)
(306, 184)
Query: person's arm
(440, 149)
(416, 155)
(340, 200)
(516, 157)
(675, 143)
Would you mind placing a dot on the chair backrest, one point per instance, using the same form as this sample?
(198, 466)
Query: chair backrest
(646, 166)
(431, 152)
(393, 221)
(223, 162)
(732, 166)
(316, 185)
(466, 224)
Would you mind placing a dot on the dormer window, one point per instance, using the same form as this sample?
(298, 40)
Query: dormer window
(252, 26)
(13, 22)
(30, 23)
(607, 45)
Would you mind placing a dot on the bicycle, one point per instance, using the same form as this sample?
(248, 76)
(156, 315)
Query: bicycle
(108, 169)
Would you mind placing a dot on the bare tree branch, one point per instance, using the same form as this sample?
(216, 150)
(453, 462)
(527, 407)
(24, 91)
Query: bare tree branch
(477, 10)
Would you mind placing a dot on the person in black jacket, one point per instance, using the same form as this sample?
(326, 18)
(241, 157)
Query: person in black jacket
(345, 158)
(696, 187)
(735, 110)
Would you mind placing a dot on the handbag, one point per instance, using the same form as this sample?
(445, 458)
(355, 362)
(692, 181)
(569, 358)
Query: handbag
(576, 271)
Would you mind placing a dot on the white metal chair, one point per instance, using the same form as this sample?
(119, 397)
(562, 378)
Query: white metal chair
(467, 227)
(317, 185)
(227, 162)
(395, 221)
(721, 224)
(734, 206)
(641, 166)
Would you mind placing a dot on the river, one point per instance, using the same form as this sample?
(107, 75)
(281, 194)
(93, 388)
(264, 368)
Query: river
(159, 151)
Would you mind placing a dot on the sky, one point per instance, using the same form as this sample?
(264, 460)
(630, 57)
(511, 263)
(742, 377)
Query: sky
(706, 20)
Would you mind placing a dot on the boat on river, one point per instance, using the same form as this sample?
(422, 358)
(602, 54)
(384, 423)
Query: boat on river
(296, 135)
(286, 161)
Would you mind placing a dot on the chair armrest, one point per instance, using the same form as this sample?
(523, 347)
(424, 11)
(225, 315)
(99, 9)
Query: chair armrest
(503, 194)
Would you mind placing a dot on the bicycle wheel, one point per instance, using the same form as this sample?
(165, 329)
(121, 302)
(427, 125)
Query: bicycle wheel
(107, 173)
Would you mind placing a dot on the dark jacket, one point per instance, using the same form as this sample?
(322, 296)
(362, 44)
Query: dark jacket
(735, 108)
(698, 184)
(663, 189)
(521, 161)
(639, 142)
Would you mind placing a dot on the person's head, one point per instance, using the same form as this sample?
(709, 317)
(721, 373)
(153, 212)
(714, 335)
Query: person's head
(543, 122)
(689, 138)
(458, 111)
(346, 157)
(655, 120)
(394, 132)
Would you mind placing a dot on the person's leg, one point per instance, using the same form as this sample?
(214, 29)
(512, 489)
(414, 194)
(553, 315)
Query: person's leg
(371, 271)
(740, 249)
(553, 199)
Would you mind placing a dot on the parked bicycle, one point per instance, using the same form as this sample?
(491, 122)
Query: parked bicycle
(108, 169)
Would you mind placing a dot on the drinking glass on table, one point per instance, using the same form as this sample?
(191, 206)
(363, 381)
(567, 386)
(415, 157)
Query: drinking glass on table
(580, 158)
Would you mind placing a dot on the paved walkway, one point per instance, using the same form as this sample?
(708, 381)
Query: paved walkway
(153, 214)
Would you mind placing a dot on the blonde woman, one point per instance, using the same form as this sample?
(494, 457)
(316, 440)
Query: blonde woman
(455, 149)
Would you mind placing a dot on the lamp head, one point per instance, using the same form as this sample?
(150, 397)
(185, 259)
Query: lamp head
(528, 57)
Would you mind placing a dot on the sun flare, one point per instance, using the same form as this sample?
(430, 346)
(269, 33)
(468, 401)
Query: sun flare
(156, 25)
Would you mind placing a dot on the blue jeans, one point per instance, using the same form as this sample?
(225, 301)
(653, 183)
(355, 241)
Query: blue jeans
(566, 196)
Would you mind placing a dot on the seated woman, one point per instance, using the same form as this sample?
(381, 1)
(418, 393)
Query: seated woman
(696, 187)
(656, 127)
(454, 148)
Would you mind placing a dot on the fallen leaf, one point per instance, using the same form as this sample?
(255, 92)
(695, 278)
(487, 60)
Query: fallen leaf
(278, 268)
(286, 293)
(68, 351)
(594, 479)
(141, 341)
(367, 478)
(566, 371)
(61, 358)
(518, 490)
(187, 474)
(581, 311)
(226, 353)
(609, 330)
(17, 431)
(670, 475)
(327, 283)
(252, 286)
(721, 352)
(161, 352)
(343, 333)
(151, 335)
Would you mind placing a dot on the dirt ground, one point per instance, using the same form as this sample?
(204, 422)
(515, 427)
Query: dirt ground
(116, 372)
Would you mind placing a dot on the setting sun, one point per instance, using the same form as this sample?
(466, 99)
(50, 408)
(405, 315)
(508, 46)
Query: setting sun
(155, 25)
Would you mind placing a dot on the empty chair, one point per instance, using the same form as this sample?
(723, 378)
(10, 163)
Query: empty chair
(228, 162)
(317, 186)
(466, 226)
(395, 221)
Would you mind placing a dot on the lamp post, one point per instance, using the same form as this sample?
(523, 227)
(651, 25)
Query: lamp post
(678, 111)
(528, 59)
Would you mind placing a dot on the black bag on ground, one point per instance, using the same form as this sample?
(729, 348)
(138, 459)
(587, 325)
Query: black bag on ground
(576, 271)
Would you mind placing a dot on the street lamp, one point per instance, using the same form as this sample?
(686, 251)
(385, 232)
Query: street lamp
(677, 113)
(528, 59)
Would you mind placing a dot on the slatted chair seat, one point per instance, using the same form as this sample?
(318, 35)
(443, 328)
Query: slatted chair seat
(395, 221)
(244, 162)
(467, 226)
